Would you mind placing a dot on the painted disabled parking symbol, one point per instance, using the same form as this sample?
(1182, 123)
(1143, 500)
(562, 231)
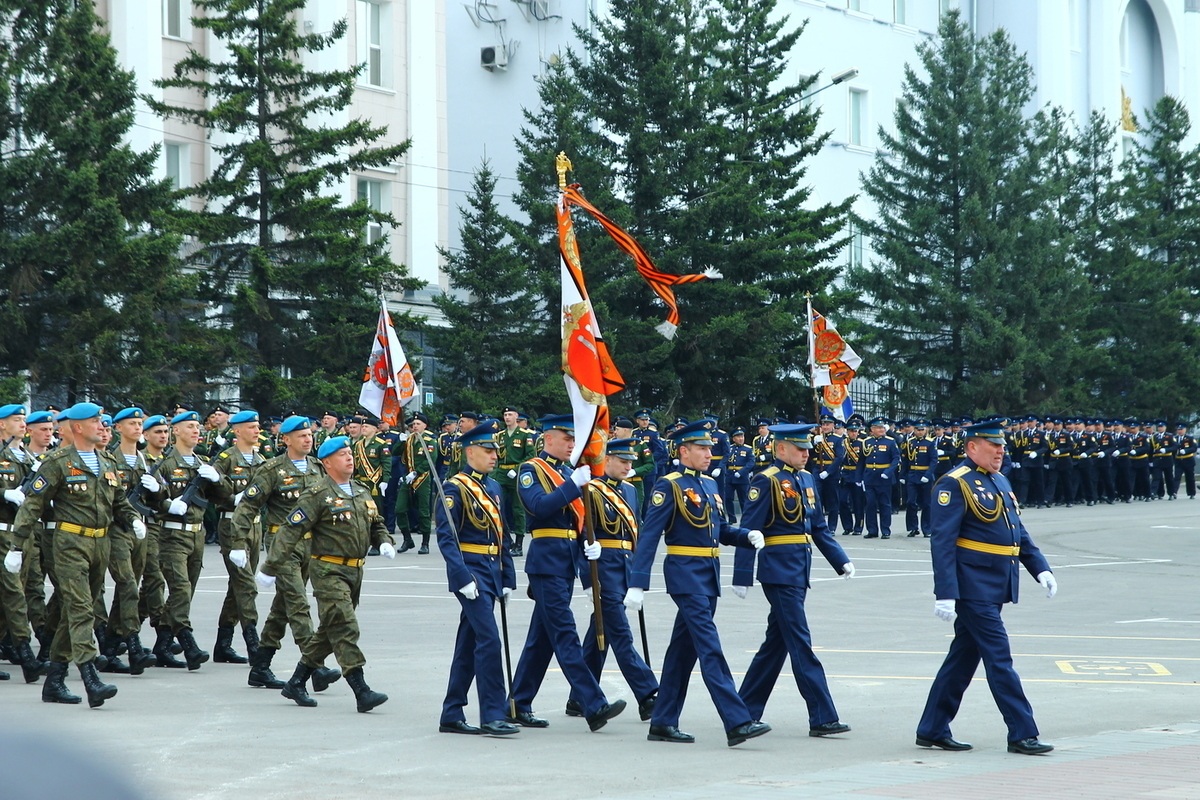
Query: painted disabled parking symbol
(1118, 669)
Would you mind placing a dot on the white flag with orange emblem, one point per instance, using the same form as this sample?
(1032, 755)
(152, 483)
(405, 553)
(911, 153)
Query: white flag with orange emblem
(388, 382)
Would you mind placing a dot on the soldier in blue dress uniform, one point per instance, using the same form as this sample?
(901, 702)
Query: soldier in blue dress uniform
(738, 466)
(785, 505)
(479, 566)
(683, 511)
(551, 492)
(827, 456)
(919, 458)
(877, 471)
(764, 453)
(978, 540)
(851, 500)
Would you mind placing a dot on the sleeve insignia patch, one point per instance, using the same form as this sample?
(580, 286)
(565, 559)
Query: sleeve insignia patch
(527, 480)
(943, 498)
(39, 484)
(449, 502)
(753, 493)
(252, 491)
(298, 516)
(657, 498)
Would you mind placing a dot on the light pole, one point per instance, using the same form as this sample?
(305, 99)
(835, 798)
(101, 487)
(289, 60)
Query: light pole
(841, 77)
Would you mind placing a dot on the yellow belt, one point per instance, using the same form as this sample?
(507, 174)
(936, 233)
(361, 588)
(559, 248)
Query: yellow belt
(480, 549)
(994, 549)
(697, 552)
(878, 466)
(91, 533)
(554, 533)
(796, 538)
(345, 562)
(915, 468)
(617, 544)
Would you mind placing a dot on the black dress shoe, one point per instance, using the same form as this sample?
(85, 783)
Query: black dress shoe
(669, 733)
(747, 731)
(497, 727)
(945, 744)
(646, 707)
(574, 709)
(607, 711)
(886, 536)
(911, 534)
(1029, 747)
(458, 727)
(828, 728)
(526, 719)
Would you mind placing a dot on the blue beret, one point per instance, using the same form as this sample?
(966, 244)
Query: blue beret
(560, 422)
(11, 410)
(39, 416)
(482, 435)
(154, 422)
(129, 413)
(106, 420)
(249, 415)
(331, 446)
(799, 435)
(294, 424)
(622, 448)
(185, 416)
(693, 433)
(993, 430)
(81, 411)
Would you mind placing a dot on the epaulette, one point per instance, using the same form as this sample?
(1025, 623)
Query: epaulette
(769, 471)
(224, 454)
(959, 472)
(58, 453)
(673, 476)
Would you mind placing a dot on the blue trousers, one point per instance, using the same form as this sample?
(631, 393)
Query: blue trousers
(979, 635)
(695, 637)
(879, 509)
(552, 632)
(740, 492)
(618, 638)
(827, 490)
(787, 635)
(851, 502)
(476, 657)
(916, 514)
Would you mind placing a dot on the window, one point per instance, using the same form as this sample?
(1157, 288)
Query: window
(854, 5)
(943, 7)
(858, 117)
(899, 12)
(855, 248)
(175, 156)
(372, 26)
(371, 192)
(173, 18)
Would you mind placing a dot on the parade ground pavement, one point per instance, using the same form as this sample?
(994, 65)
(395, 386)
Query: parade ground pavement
(1111, 665)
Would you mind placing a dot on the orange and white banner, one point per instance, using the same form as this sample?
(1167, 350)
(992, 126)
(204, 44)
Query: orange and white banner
(388, 382)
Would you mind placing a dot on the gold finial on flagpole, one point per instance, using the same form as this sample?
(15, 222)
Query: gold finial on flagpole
(563, 164)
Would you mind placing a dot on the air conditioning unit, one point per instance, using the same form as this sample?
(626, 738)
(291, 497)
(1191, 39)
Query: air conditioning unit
(493, 57)
(540, 9)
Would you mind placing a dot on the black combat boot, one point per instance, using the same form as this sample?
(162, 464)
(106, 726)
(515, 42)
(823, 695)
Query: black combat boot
(223, 652)
(97, 691)
(518, 548)
(45, 638)
(407, 544)
(323, 676)
(162, 650)
(296, 688)
(424, 551)
(261, 675)
(30, 666)
(139, 657)
(7, 651)
(363, 695)
(54, 690)
(191, 651)
(111, 662)
(250, 636)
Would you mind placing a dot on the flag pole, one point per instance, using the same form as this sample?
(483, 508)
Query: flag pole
(812, 360)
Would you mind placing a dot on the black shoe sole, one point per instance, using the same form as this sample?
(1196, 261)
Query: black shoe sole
(654, 737)
(931, 743)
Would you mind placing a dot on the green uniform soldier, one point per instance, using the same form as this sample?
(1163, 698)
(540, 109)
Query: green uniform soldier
(156, 431)
(81, 483)
(237, 466)
(372, 457)
(418, 483)
(344, 522)
(329, 428)
(643, 461)
(189, 486)
(217, 435)
(275, 489)
(39, 431)
(466, 423)
(517, 445)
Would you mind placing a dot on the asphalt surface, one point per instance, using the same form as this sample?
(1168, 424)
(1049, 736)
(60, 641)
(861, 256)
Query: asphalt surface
(1113, 656)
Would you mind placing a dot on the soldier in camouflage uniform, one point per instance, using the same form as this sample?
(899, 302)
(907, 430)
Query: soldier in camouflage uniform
(517, 445)
(417, 488)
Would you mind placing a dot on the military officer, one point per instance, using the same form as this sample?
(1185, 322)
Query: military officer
(82, 485)
(1164, 462)
(877, 472)
(344, 522)
(919, 456)
(828, 454)
(372, 458)
(764, 451)
(738, 466)
(551, 492)
(1058, 479)
(978, 539)
(851, 500)
(787, 508)
(479, 567)
(329, 428)
(156, 431)
(683, 512)
(647, 432)
(445, 439)
(1140, 449)
(418, 483)
(516, 447)
(1185, 461)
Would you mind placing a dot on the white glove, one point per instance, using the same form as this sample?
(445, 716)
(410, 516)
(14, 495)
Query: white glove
(150, 483)
(383, 487)
(634, 598)
(470, 591)
(36, 466)
(1058, 452)
(941, 452)
(1046, 579)
(581, 475)
(674, 462)
(237, 498)
(387, 550)
(884, 476)
(1116, 452)
(756, 538)
(904, 480)
(239, 558)
(264, 580)
(859, 484)
(1016, 465)
(221, 441)
(591, 550)
(1033, 455)
(824, 474)
(177, 508)
(12, 561)
(512, 473)
(209, 473)
(716, 473)
(925, 479)
(741, 591)
(848, 570)
(14, 496)
(1101, 454)
(945, 610)
(505, 593)
(410, 477)
(139, 528)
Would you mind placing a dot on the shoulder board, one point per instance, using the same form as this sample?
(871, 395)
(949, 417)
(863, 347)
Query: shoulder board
(56, 455)
(224, 454)
(770, 471)
(958, 473)
(673, 476)
(889, 438)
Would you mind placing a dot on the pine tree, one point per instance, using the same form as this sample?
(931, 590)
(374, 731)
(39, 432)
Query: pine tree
(93, 304)
(290, 257)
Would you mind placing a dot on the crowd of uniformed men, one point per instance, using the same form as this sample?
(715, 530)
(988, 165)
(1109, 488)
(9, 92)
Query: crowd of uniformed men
(136, 496)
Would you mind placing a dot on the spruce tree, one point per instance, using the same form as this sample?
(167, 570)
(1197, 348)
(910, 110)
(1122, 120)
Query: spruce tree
(277, 243)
